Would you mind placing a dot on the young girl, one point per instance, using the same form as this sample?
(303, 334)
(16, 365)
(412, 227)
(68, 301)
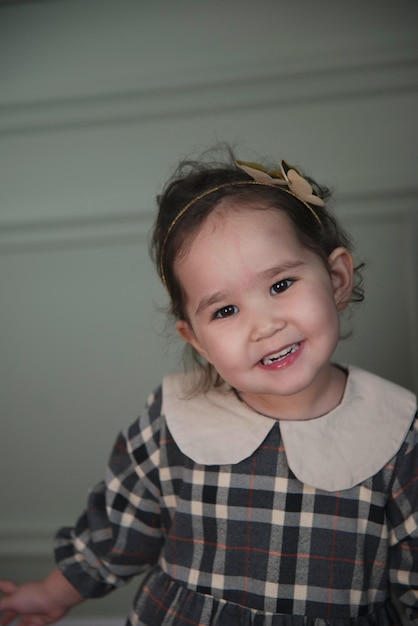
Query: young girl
(267, 486)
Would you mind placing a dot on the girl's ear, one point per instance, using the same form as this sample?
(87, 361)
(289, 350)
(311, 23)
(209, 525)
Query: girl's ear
(186, 332)
(340, 264)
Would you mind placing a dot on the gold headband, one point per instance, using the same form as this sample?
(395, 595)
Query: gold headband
(288, 176)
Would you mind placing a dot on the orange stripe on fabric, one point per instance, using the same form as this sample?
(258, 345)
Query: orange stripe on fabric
(248, 549)
(170, 611)
(301, 555)
(405, 487)
(332, 558)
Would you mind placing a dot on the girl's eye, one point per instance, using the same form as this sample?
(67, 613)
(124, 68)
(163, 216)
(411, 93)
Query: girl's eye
(226, 311)
(281, 286)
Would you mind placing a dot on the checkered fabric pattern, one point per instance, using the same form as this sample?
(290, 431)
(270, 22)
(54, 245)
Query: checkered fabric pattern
(246, 543)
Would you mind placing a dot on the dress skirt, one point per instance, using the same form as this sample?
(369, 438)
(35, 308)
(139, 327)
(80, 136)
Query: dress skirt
(162, 601)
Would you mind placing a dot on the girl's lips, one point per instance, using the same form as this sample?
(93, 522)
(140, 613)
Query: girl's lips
(283, 356)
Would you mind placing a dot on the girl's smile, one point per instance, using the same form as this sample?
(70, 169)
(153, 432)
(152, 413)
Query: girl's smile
(264, 310)
(283, 358)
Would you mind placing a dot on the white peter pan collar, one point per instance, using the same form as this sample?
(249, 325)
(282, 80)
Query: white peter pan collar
(332, 452)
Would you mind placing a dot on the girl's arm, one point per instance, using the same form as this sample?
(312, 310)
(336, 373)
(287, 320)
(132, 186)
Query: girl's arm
(38, 603)
(120, 534)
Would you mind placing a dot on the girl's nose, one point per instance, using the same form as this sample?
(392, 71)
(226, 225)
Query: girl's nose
(266, 325)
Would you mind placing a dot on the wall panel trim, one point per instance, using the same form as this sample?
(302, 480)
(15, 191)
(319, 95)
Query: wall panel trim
(375, 72)
(130, 227)
(27, 542)
(70, 233)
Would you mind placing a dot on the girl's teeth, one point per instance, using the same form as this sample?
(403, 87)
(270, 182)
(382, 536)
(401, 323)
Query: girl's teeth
(280, 355)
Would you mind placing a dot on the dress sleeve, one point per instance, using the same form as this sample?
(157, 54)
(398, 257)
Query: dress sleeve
(403, 526)
(119, 535)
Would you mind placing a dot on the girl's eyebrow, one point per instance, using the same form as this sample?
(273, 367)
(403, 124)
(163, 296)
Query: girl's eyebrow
(205, 303)
(222, 296)
(287, 266)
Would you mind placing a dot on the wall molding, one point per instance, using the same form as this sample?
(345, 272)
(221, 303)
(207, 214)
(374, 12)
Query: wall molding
(375, 204)
(30, 542)
(371, 73)
(54, 234)
(131, 227)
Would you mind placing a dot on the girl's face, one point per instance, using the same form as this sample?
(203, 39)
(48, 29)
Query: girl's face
(263, 310)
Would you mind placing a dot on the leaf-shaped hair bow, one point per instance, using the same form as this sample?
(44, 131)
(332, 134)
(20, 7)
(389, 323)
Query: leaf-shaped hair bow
(288, 176)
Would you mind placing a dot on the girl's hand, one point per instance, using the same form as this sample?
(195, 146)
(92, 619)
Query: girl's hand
(30, 602)
(37, 603)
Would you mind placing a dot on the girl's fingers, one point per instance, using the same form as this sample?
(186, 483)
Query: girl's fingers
(33, 620)
(7, 586)
(25, 620)
(8, 617)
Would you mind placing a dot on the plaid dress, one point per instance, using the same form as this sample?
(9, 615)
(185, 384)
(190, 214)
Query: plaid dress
(245, 543)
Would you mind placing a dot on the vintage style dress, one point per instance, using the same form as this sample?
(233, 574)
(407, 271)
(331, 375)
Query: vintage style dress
(237, 518)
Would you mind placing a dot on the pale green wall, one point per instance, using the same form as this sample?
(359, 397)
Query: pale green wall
(98, 100)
